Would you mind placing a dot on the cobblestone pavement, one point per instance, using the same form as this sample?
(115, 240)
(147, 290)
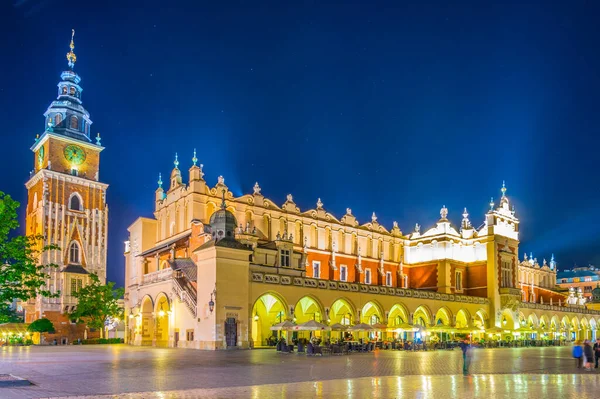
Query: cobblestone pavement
(106, 370)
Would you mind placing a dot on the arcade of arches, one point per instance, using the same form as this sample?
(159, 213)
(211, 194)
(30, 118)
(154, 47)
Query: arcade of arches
(410, 318)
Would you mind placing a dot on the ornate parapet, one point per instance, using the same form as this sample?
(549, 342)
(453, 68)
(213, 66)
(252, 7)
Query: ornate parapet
(258, 277)
(569, 308)
(510, 298)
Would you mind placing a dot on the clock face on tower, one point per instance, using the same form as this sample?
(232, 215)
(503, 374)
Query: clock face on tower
(40, 156)
(74, 154)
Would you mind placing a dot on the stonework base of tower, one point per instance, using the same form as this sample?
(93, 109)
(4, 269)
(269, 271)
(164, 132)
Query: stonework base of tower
(66, 332)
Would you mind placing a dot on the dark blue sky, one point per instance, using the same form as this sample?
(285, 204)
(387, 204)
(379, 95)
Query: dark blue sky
(385, 107)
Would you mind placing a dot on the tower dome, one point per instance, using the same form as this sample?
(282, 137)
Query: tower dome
(222, 223)
(596, 294)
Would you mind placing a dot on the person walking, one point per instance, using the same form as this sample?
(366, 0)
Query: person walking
(597, 351)
(466, 352)
(578, 354)
(589, 355)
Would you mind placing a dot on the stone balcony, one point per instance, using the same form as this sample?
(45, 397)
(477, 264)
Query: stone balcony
(158, 276)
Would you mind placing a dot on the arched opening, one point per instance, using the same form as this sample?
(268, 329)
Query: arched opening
(268, 310)
(72, 91)
(398, 320)
(74, 253)
(463, 320)
(163, 315)
(74, 122)
(75, 203)
(307, 309)
(147, 321)
(372, 314)
(342, 311)
(443, 317)
(64, 90)
(58, 119)
(422, 317)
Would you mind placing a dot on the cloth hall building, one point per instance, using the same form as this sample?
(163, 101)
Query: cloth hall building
(215, 271)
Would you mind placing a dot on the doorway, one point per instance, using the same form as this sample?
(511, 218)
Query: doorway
(231, 332)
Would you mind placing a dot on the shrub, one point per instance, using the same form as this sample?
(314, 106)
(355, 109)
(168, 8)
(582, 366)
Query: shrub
(102, 341)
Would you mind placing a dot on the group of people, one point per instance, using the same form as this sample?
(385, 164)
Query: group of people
(586, 354)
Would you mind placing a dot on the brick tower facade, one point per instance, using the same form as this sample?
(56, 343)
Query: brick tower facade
(66, 203)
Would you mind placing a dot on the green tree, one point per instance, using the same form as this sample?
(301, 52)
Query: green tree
(21, 276)
(96, 302)
(8, 315)
(41, 326)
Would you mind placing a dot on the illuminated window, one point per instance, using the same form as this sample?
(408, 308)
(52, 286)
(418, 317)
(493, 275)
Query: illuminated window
(458, 282)
(316, 269)
(343, 273)
(74, 256)
(73, 286)
(64, 90)
(284, 256)
(74, 172)
(57, 119)
(405, 278)
(74, 122)
(388, 279)
(72, 91)
(368, 276)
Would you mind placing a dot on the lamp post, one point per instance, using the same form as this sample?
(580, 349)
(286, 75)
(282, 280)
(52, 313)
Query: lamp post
(211, 303)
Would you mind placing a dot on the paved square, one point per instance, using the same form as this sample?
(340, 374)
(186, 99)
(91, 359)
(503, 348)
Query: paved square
(118, 369)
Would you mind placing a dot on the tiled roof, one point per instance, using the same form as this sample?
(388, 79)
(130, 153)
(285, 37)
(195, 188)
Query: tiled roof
(224, 242)
(186, 266)
(78, 269)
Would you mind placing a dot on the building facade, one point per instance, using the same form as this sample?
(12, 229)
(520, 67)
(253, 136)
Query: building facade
(215, 271)
(579, 278)
(66, 204)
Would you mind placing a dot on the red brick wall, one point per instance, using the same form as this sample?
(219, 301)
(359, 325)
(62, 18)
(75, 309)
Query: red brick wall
(476, 277)
(424, 277)
(65, 329)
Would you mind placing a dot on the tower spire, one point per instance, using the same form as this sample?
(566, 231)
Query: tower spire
(503, 189)
(176, 162)
(194, 159)
(71, 57)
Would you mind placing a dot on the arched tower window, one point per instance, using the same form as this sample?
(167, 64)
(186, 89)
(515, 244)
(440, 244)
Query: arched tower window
(57, 119)
(74, 255)
(64, 90)
(72, 91)
(74, 122)
(75, 202)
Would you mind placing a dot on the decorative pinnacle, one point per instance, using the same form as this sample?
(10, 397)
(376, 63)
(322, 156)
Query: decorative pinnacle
(194, 159)
(503, 189)
(465, 214)
(319, 204)
(256, 189)
(176, 162)
(98, 139)
(160, 180)
(50, 125)
(223, 204)
(373, 218)
(492, 204)
(71, 57)
(444, 212)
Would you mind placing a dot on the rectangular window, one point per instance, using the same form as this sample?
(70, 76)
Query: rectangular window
(74, 172)
(405, 281)
(79, 284)
(506, 276)
(343, 273)
(284, 258)
(73, 286)
(368, 276)
(388, 279)
(316, 269)
(458, 282)
(189, 335)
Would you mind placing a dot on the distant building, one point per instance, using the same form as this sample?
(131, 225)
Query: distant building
(585, 278)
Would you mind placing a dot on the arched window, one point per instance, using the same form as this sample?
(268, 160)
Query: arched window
(75, 202)
(57, 119)
(74, 122)
(74, 256)
(72, 91)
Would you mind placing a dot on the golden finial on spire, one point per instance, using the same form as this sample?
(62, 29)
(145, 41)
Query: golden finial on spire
(71, 55)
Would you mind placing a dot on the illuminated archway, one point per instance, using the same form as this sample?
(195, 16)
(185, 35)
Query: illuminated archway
(268, 310)
(308, 308)
(422, 316)
(508, 320)
(147, 321)
(481, 318)
(398, 315)
(443, 317)
(162, 316)
(463, 319)
(371, 313)
(342, 311)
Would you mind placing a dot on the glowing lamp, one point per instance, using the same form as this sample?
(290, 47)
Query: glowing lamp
(161, 313)
(255, 317)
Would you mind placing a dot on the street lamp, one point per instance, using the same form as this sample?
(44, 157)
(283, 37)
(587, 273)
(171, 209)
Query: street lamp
(211, 303)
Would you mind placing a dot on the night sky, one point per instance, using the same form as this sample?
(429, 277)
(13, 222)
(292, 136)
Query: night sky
(397, 109)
